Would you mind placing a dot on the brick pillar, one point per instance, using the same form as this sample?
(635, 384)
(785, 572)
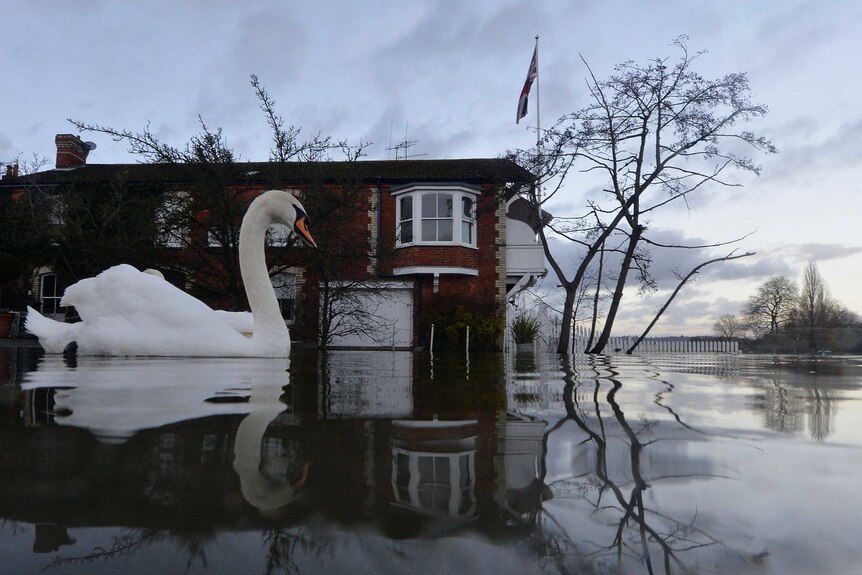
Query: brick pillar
(500, 247)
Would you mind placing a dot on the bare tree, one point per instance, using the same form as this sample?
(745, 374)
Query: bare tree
(656, 127)
(287, 145)
(682, 282)
(204, 220)
(771, 307)
(729, 326)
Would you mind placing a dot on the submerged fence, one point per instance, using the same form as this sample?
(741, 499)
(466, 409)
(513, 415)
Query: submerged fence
(670, 345)
(656, 345)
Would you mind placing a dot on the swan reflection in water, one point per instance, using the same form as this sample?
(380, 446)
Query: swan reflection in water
(115, 398)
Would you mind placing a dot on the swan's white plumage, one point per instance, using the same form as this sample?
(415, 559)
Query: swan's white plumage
(127, 312)
(241, 321)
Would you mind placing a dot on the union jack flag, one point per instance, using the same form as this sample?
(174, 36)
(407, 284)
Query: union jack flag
(532, 74)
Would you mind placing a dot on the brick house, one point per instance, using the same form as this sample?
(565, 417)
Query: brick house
(431, 237)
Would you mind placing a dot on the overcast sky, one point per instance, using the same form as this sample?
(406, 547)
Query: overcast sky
(448, 74)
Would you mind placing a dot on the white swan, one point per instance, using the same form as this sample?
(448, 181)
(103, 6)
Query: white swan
(127, 312)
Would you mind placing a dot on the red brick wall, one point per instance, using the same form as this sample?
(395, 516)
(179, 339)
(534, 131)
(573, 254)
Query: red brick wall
(475, 293)
(443, 256)
(448, 256)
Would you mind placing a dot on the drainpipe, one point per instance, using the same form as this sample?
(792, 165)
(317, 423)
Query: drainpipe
(379, 231)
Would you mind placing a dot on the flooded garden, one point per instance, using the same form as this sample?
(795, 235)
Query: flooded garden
(387, 462)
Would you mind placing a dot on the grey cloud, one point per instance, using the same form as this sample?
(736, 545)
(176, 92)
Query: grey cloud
(804, 161)
(818, 252)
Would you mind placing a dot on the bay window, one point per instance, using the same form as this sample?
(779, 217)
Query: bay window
(436, 215)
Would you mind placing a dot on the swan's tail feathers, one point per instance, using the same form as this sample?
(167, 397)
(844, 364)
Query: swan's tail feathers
(71, 349)
(53, 335)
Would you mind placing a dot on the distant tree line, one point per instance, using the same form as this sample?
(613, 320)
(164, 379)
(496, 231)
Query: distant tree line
(783, 316)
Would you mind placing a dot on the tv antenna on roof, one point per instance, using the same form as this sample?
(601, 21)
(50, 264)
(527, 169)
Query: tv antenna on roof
(402, 148)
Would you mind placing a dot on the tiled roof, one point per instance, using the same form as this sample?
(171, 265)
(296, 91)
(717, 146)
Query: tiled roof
(389, 171)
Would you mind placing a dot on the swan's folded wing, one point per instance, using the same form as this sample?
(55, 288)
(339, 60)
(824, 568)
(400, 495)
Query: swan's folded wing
(126, 311)
(241, 321)
(123, 291)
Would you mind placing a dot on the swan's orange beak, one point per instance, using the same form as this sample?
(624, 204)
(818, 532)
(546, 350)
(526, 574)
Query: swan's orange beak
(302, 230)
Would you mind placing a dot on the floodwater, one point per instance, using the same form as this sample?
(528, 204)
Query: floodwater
(388, 462)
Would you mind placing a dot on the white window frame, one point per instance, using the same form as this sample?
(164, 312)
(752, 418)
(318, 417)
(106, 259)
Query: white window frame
(457, 495)
(458, 193)
(50, 305)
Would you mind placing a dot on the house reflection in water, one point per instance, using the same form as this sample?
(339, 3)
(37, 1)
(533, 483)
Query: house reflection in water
(434, 466)
(522, 453)
(453, 450)
(393, 448)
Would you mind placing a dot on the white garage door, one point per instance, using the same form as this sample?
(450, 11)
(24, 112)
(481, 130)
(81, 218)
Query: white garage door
(375, 316)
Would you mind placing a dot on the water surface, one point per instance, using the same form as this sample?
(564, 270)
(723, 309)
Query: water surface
(361, 462)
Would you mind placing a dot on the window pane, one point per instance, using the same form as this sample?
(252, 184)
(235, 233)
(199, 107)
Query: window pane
(464, 468)
(441, 470)
(49, 285)
(426, 469)
(407, 232)
(466, 502)
(466, 233)
(429, 230)
(406, 208)
(429, 206)
(402, 470)
(467, 208)
(444, 205)
(444, 230)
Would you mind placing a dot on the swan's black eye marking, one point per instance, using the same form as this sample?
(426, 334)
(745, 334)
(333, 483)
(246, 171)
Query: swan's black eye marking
(300, 214)
(300, 226)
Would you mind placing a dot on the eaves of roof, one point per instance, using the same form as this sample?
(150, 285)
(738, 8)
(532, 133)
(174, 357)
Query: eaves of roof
(391, 172)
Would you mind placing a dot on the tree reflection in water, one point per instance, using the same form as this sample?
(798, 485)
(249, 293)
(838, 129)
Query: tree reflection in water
(641, 534)
(299, 477)
(787, 409)
(191, 544)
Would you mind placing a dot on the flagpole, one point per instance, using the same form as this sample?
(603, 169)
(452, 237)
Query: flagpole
(538, 125)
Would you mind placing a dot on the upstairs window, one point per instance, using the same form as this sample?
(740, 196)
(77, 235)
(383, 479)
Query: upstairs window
(445, 215)
(437, 217)
(468, 220)
(405, 221)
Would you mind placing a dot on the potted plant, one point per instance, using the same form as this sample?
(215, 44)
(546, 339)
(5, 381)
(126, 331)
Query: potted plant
(524, 328)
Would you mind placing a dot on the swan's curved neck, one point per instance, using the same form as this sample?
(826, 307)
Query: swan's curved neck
(268, 323)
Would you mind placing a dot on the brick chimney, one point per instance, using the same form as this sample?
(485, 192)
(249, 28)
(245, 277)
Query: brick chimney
(11, 171)
(71, 152)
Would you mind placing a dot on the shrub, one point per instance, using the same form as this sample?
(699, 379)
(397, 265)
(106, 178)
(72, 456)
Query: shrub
(451, 329)
(524, 328)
